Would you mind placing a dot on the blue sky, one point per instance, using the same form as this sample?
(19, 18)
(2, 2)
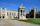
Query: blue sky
(14, 4)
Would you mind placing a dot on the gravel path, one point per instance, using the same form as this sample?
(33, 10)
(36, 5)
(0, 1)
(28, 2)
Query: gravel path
(15, 23)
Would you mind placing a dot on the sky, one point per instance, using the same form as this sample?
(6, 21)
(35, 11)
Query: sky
(14, 4)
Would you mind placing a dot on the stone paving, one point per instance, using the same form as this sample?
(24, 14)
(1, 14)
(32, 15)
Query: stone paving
(15, 23)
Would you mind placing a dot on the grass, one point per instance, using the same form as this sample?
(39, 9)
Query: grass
(35, 21)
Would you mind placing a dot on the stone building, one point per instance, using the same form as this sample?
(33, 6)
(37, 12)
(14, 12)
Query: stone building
(21, 12)
(9, 14)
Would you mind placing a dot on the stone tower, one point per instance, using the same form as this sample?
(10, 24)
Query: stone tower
(3, 13)
(21, 11)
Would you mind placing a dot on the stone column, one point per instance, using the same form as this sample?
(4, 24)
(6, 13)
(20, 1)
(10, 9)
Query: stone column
(34, 13)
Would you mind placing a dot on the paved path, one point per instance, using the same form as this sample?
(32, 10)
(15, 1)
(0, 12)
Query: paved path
(15, 23)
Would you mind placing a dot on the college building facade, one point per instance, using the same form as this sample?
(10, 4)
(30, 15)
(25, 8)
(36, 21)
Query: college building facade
(20, 14)
(10, 14)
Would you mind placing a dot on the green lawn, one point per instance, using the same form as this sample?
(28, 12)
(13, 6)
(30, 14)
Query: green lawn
(35, 21)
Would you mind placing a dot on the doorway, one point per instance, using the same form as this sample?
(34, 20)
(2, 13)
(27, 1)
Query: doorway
(0, 16)
(3, 17)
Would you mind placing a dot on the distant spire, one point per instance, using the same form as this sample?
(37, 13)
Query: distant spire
(21, 6)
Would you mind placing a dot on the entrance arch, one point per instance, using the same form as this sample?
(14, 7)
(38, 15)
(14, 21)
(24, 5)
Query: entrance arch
(3, 17)
(0, 16)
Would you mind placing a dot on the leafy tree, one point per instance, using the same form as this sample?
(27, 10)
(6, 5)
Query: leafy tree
(32, 13)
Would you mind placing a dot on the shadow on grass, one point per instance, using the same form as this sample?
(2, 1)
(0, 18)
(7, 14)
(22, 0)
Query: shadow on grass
(34, 21)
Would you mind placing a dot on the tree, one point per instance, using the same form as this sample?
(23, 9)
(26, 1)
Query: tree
(32, 13)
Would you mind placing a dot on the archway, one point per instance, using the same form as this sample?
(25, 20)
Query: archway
(0, 16)
(3, 17)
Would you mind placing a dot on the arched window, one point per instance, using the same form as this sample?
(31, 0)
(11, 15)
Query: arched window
(21, 12)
